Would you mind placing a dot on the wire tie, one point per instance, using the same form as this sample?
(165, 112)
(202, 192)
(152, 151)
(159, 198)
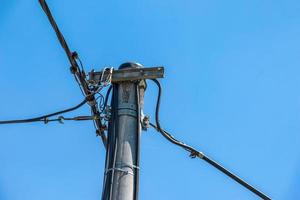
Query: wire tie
(73, 69)
(61, 119)
(74, 55)
(127, 165)
(103, 128)
(98, 133)
(46, 120)
(195, 154)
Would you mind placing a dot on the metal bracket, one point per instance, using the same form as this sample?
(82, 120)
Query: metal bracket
(128, 74)
(145, 121)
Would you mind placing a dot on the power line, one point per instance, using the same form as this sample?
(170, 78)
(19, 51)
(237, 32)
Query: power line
(195, 153)
(78, 73)
(43, 118)
(89, 90)
(59, 35)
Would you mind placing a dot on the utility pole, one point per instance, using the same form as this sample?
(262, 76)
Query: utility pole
(121, 178)
(125, 120)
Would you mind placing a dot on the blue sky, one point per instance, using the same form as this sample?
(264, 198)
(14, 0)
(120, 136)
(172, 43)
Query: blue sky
(231, 91)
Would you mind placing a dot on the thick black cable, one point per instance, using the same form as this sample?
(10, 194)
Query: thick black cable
(43, 117)
(195, 153)
(59, 35)
(79, 74)
(72, 56)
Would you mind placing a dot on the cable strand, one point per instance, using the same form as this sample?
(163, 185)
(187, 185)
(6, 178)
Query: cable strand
(43, 117)
(194, 153)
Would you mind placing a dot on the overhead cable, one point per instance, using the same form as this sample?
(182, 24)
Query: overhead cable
(79, 74)
(59, 35)
(195, 153)
(43, 118)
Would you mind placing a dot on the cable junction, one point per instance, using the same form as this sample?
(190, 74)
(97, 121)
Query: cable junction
(79, 74)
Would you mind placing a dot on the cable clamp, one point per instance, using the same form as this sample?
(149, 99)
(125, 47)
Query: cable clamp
(46, 120)
(145, 122)
(107, 113)
(73, 68)
(74, 55)
(108, 79)
(195, 154)
(61, 119)
(100, 131)
(103, 128)
(91, 99)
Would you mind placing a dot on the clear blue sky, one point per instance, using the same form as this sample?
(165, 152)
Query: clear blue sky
(231, 90)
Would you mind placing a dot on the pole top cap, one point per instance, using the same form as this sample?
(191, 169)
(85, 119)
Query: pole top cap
(130, 65)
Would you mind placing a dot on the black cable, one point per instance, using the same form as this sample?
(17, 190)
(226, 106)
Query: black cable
(61, 119)
(79, 74)
(194, 153)
(138, 144)
(72, 56)
(106, 99)
(59, 35)
(43, 117)
(81, 65)
(101, 101)
(111, 148)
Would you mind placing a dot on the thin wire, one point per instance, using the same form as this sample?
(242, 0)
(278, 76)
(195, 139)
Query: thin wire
(194, 153)
(80, 86)
(81, 65)
(106, 99)
(101, 101)
(43, 117)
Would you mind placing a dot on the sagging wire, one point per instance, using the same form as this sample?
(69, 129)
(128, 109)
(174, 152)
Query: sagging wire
(43, 118)
(195, 153)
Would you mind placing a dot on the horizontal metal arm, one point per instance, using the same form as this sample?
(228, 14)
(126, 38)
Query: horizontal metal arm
(128, 74)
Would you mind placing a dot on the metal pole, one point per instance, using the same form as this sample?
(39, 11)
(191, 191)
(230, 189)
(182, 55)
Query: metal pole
(122, 157)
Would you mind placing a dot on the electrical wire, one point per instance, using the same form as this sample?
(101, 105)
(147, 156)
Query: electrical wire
(138, 143)
(43, 117)
(194, 153)
(81, 65)
(61, 119)
(79, 74)
(59, 35)
(106, 99)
